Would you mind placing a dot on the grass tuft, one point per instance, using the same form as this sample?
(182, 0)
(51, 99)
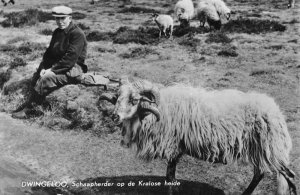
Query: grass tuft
(218, 37)
(17, 62)
(139, 52)
(264, 71)
(46, 31)
(228, 52)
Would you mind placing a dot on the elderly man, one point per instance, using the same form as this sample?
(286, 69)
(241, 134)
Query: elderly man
(63, 61)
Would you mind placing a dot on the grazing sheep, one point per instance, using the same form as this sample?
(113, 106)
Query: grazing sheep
(291, 4)
(6, 2)
(184, 11)
(164, 23)
(216, 126)
(211, 11)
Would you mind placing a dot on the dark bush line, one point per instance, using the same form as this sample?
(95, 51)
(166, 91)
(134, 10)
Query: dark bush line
(126, 35)
(138, 10)
(28, 17)
(256, 26)
(24, 49)
(31, 17)
(181, 31)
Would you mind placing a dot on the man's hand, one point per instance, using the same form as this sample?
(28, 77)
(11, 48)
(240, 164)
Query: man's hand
(46, 72)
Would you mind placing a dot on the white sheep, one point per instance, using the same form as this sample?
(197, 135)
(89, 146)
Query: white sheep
(219, 126)
(291, 4)
(164, 23)
(184, 11)
(212, 12)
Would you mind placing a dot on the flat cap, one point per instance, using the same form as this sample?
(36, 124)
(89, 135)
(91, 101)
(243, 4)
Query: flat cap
(61, 11)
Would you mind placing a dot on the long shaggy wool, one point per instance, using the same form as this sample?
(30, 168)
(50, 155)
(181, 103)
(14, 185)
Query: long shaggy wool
(216, 126)
(184, 9)
(212, 9)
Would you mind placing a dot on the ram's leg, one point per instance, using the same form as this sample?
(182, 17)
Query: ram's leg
(171, 170)
(165, 31)
(171, 31)
(257, 177)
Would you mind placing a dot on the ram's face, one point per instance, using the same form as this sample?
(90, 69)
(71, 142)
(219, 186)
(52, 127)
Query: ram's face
(133, 103)
(127, 104)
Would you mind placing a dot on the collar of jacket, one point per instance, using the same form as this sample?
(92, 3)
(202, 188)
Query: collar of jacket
(71, 26)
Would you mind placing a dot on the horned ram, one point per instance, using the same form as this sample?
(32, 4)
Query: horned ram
(219, 126)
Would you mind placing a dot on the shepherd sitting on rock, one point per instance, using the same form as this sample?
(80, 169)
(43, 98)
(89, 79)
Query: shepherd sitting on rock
(62, 64)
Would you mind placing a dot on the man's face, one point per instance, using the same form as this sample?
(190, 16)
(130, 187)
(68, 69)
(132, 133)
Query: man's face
(63, 22)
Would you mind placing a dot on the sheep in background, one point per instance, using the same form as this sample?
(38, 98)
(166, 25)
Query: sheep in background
(164, 23)
(184, 11)
(216, 126)
(291, 4)
(6, 2)
(212, 11)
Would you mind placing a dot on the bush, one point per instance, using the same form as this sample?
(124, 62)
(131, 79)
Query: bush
(256, 26)
(28, 17)
(99, 36)
(78, 16)
(181, 31)
(142, 35)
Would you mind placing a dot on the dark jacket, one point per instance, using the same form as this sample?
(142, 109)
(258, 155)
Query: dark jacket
(67, 47)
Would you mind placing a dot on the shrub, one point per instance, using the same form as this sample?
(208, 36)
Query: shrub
(99, 36)
(181, 31)
(78, 15)
(256, 26)
(142, 35)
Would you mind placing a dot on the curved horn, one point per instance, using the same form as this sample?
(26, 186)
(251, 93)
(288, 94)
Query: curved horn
(145, 87)
(108, 97)
(147, 107)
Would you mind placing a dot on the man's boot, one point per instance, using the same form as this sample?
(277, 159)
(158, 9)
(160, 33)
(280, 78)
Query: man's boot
(23, 111)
